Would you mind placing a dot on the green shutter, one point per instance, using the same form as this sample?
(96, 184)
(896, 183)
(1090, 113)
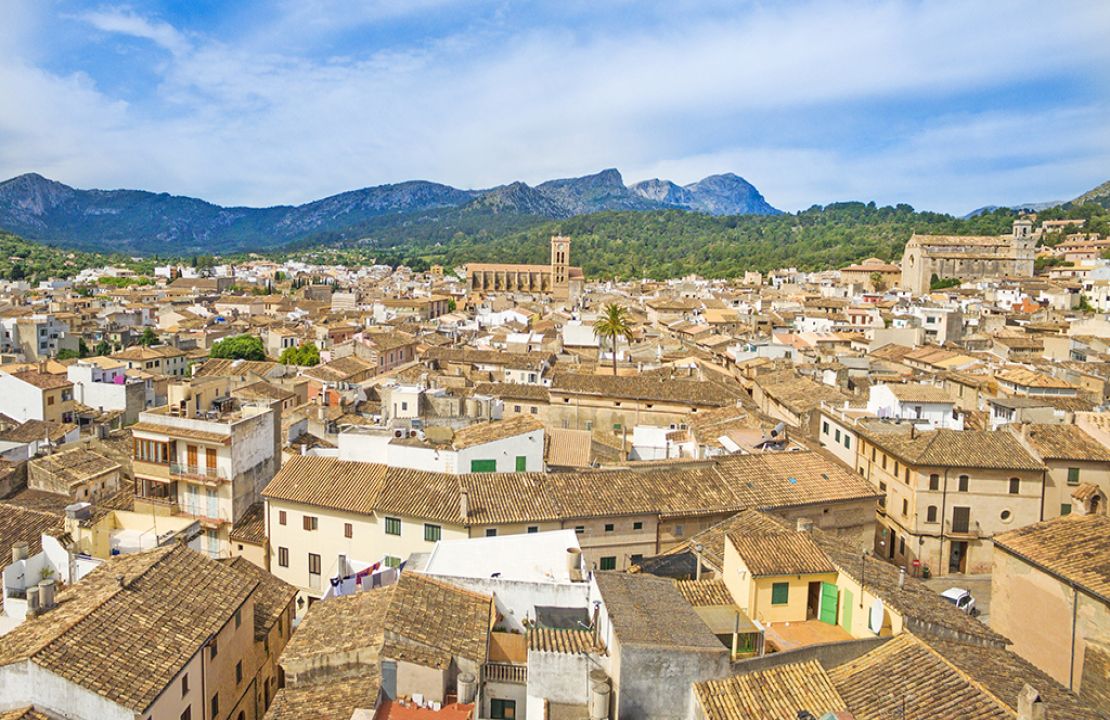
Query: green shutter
(608, 563)
(521, 463)
(829, 596)
(780, 593)
(846, 609)
(483, 466)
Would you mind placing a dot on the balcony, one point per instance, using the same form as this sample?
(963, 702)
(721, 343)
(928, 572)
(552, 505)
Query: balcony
(158, 505)
(962, 531)
(505, 673)
(207, 516)
(198, 473)
(152, 470)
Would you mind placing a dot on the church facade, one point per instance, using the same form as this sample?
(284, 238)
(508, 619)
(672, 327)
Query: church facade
(559, 279)
(966, 257)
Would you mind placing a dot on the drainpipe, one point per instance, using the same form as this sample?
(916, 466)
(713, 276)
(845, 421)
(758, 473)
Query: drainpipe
(1074, 614)
(943, 519)
(1044, 481)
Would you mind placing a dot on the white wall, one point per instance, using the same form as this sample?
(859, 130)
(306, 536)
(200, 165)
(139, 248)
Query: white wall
(19, 400)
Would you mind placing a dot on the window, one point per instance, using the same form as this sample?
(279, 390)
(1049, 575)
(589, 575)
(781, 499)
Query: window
(1065, 509)
(348, 530)
(638, 525)
(963, 483)
(313, 564)
(516, 408)
(637, 559)
(533, 529)
(580, 529)
(1073, 476)
(238, 672)
(679, 530)
(780, 593)
(392, 526)
(901, 546)
(283, 557)
(905, 507)
(502, 709)
(216, 705)
(934, 482)
(825, 427)
(50, 400)
(521, 463)
(608, 563)
(872, 454)
(1015, 486)
(391, 561)
(608, 527)
(432, 533)
(897, 469)
(838, 436)
(481, 466)
(311, 522)
(404, 406)
(238, 618)
(184, 684)
(491, 532)
(213, 649)
(847, 442)
(1006, 515)
(931, 514)
(534, 410)
(187, 714)
(617, 426)
(884, 462)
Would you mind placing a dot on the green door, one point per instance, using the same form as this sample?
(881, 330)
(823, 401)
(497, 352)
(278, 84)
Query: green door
(846, 610)
(829, 594)
(483, 466)
(521, 463)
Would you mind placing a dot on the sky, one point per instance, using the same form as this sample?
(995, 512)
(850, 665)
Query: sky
(944, 105)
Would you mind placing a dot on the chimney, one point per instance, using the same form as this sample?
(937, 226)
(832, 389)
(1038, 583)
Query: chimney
(32, 601)
(19, 551)
(901, 578)
(46, 594)
(1029, 704)
(464, 505)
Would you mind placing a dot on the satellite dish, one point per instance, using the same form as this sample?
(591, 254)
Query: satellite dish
(875, 620)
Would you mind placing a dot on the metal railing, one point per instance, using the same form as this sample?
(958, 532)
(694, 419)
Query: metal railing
(198, 472)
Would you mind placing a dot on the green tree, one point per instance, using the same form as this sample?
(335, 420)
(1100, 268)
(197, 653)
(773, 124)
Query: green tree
(451, 305)
(239, 347)
(82, 348)
(612, 325)
(305, 355)
(148, 338)
(103, 348)
(67, 354)
(877, 281)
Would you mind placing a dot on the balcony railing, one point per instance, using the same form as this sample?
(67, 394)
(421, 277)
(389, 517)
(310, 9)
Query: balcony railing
(969, 531)
(200, 473)
(505, 673)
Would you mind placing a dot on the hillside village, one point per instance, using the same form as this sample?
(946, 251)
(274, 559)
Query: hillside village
(276, 490)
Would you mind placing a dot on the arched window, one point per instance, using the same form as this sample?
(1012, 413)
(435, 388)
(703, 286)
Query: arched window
(931, 514)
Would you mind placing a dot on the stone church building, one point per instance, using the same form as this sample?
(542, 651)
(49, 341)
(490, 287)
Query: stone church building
(966, 257)
(558, 279)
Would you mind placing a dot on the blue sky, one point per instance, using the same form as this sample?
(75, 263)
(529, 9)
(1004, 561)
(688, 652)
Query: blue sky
(944, 105)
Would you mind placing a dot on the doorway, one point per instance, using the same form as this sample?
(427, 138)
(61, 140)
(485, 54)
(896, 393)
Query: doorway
(957, 557)
(813, 600)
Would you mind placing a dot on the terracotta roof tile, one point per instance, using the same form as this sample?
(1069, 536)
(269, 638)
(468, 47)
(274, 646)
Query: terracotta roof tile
(777, 693)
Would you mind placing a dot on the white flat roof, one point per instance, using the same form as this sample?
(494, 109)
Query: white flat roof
(531, 557)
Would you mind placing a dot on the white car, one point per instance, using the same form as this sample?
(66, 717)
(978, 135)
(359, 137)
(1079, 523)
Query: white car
(962, 599)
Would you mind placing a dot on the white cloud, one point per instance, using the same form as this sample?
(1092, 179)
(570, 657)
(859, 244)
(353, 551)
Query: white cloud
(683, 94)
(127, 22)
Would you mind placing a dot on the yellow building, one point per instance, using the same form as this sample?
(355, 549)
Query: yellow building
(558, 279)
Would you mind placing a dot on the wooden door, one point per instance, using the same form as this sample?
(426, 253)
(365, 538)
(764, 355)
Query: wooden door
(191, 456)
(210, 460)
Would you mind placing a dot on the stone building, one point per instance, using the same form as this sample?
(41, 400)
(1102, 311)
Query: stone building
(558, 279)
(968, 256)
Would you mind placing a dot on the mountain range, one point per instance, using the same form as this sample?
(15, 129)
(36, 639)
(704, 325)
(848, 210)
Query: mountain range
(143, 223)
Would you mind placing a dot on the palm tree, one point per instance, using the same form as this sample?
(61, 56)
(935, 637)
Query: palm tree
(612, 324)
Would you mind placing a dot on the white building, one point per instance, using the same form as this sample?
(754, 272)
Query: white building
(920, 403)
(514, 445)
(104, 384)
